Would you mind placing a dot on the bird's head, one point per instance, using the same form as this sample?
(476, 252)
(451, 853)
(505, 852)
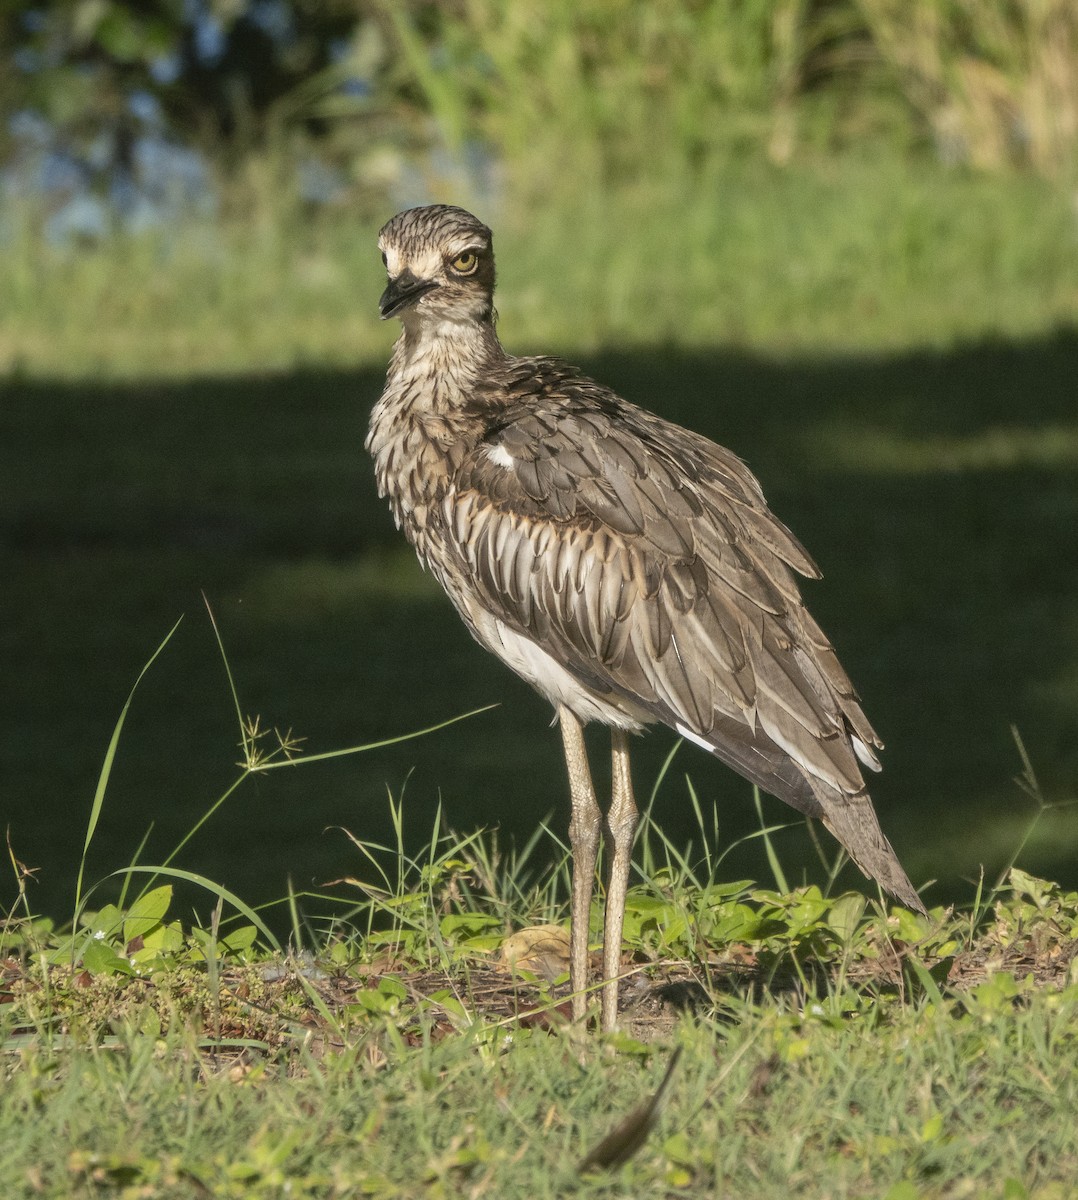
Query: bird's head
(440, 263)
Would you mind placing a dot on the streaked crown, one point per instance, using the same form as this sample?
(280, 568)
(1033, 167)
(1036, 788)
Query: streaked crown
(433, 227)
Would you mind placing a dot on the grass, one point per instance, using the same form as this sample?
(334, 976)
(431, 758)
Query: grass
(990, 83)
(853, 255)
(932, 1102)
(826, 1050)
(889, 343)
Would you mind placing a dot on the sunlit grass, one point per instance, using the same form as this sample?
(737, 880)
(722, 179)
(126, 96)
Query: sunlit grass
(776, 1104)
(846, 255)
(1051, 447)
(824, 1052)
(877, 336)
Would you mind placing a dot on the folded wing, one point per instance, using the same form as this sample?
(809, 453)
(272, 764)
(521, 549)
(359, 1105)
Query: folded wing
(644, 560)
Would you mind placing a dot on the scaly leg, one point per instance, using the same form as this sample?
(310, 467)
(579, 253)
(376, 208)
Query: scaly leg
(584, 826)
(621, 825)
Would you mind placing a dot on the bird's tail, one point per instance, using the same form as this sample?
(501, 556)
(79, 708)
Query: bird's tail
(853, 822)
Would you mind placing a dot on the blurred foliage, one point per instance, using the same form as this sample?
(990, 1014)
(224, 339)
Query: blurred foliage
(220, 69)
(996, 82)
(615, 85)
(988, 82)
(252, 87)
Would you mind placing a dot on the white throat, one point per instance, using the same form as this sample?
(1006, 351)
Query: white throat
(434, 346)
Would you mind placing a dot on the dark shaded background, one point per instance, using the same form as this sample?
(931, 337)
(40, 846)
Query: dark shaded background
(951, 591)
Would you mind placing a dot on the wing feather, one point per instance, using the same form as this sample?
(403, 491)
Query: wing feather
(645, 562)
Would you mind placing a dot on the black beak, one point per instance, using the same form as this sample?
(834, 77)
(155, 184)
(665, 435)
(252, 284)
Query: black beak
(403, 291)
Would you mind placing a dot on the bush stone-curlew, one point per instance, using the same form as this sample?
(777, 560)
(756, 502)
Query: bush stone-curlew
(627, 568)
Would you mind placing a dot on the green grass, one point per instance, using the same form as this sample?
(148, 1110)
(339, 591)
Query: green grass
(890, 344)
(825, 1055)
(928, 1103)
(830, 1048)
(834, 256)
(991, 84)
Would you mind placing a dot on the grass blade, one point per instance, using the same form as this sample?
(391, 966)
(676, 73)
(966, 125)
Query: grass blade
(302, 760)
(772, 857)
(228, 673)
(106, 766)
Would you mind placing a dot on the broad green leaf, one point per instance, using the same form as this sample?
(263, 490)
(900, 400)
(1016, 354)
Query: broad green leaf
(147, 912)
(215, 888)
(239, 941)
(846, 913)
(373, 1001)
(106, 921)
(453, 924)
(390, 985)
(99, 958)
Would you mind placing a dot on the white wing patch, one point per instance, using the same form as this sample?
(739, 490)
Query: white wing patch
(501, 457)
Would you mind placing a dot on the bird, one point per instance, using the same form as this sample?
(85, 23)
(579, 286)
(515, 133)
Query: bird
(628, 568)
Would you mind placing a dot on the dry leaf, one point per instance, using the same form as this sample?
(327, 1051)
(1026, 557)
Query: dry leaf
(541, 949)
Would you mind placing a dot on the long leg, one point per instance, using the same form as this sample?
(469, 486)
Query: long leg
(621, 824)
(584, 826)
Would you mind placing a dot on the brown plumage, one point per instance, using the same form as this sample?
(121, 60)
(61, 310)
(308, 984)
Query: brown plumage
(629, 569)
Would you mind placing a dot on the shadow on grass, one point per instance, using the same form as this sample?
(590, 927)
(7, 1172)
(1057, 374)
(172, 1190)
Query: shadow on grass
(938, 492)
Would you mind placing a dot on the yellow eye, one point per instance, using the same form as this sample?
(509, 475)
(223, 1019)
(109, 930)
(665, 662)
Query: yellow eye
(466, 263)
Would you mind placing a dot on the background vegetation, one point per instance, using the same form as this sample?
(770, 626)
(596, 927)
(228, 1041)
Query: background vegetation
(839, 237)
